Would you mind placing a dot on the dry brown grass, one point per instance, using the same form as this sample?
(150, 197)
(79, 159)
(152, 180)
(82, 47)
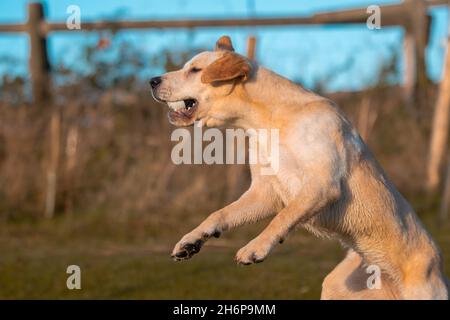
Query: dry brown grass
(119, 161)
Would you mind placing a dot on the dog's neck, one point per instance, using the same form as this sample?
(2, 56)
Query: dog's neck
(247, 107)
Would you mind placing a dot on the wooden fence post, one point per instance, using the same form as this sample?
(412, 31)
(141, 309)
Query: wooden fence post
(367, 115)
(52, 171)
(415, 43)
(440, 127)
(445, 201)
(251, 47)
(409, 63)
(72, 143)
(39, 65)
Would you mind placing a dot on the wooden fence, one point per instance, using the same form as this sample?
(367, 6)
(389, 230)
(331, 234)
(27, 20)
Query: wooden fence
(412, 15)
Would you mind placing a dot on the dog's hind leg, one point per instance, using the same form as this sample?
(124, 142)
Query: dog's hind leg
(423, 279)
(350, 280)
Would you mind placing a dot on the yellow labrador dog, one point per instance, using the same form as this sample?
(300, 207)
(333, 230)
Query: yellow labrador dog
(328, 181)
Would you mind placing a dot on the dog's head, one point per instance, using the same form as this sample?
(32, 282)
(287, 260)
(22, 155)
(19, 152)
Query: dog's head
(195, 90)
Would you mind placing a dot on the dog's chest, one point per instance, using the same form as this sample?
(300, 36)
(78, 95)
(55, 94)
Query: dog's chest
(281, 171)
(286, 184)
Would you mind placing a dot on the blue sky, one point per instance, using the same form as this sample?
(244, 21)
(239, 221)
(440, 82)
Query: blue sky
(300, 53)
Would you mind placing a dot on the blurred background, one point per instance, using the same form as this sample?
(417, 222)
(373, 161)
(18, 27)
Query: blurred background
(85, 171)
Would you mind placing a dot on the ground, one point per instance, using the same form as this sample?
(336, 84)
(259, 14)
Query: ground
(117, 264)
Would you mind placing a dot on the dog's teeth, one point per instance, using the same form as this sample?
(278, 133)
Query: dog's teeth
(176, 105)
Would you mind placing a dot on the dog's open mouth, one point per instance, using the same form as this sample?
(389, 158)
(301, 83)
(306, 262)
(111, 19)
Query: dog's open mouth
(182, 109)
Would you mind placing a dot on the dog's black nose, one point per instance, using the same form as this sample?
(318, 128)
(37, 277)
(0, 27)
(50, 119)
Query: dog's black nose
(154, 82)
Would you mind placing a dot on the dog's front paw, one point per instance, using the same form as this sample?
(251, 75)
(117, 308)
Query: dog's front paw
(191, 244)
(254, 252)
(185, 250)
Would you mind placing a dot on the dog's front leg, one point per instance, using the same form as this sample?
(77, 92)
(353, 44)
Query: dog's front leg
(306, 204)
(256, 203)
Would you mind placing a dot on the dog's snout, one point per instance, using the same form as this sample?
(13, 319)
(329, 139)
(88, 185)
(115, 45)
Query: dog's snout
(154, 82)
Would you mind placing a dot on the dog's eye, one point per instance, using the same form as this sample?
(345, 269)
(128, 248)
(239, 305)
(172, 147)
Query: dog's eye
(195, 70)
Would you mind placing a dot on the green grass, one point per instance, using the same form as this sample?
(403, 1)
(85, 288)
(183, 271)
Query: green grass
(116, 265)
(211, 275)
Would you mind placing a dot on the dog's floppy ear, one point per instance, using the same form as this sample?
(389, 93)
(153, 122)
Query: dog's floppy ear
(228, 67)
(224, 44)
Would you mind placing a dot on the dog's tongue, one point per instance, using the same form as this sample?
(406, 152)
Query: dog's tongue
(176, 105)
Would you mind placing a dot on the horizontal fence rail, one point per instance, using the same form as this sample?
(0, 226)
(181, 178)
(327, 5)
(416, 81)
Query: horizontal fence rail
(392, 15)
